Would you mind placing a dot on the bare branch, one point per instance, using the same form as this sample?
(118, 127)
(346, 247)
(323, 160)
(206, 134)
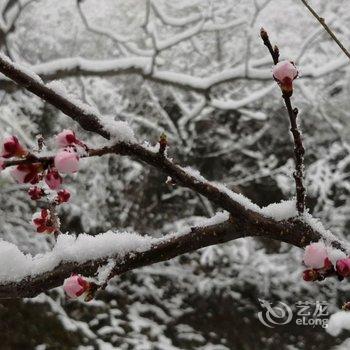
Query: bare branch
(322, 21)
(299, 150)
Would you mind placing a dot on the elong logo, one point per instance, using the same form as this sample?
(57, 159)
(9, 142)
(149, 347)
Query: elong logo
(308, 314)
(273, 316)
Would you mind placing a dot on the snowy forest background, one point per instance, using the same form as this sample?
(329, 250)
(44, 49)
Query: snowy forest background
(236, 132)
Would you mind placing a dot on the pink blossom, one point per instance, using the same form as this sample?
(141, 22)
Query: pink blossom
(43, 222)
(18, 175)
(315, 255)
(66, 138)
(67, 161)
(12, 148)
(75, 286)
(53, 179)
(343, 267)
(25, 173)
(284, 73)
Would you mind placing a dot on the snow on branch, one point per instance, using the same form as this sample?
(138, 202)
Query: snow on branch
(78, 66)
(243, 218)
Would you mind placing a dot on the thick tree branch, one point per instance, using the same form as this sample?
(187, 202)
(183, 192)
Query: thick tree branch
(246, 220)
(292, 232)
(87, 120)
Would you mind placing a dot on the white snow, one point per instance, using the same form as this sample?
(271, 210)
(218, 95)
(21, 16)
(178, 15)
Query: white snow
(103, 272)
(338, 322)
(93, 66)
(280, 211)
(58, 87)
(317, 225)
(14, 265)
(120, 131)
(335, 254)
(218, 218)
(252, 97)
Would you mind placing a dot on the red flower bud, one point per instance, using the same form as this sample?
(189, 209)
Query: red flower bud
(343, 267)
(62, 196)
(36, 193)
(42, 221)
(310, 275)
(12, 148)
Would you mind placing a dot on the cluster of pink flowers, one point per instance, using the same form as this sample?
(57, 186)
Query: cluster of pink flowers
(66, 161)
(323, 261)
(48, 171)
(284, 73)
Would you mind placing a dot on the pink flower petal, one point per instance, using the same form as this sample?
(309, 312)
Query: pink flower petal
(315, 255)
(67, 162)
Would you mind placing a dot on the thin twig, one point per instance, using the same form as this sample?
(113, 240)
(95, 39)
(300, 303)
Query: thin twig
(326, 27)
(299, 152)
(299, 149)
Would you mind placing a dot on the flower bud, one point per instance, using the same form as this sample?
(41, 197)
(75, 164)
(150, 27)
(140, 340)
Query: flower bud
(284, 73)
(310, 275)
(315, 255)
(62, 196)
(66, 138)
(43, 222)
(12, 148)
(67, 161)
(75, 286)
(36, 193)
(53, 179)
(343, 267)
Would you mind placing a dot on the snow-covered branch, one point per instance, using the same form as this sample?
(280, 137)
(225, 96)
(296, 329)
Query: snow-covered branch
(243, 219)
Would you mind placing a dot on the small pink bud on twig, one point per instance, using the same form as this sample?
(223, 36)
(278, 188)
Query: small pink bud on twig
(315, 255)
(284, 73)
(67, 161)
(76, 286)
